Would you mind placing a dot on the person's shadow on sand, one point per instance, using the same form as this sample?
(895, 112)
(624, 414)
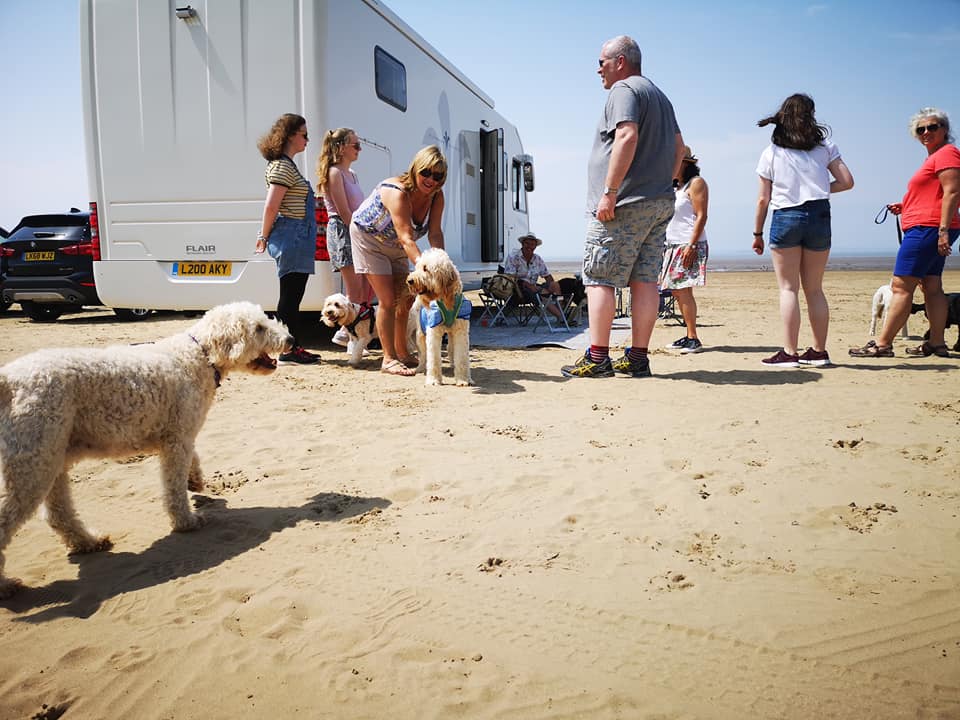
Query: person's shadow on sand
(229, 532)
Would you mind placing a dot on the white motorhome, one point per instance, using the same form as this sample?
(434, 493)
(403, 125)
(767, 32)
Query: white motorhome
(175, 99)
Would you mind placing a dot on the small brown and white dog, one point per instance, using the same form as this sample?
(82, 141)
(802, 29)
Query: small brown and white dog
(881, 303)
(360, 322)
(443, 311)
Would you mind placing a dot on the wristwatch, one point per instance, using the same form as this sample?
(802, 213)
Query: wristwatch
(610, 191)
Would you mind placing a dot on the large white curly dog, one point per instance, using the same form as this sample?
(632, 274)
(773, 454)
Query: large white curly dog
(443, 311)
(60, 406)
(360, 322)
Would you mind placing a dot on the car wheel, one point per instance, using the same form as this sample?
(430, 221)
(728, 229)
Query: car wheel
(4, 306)
(132, 314)
(42, 312)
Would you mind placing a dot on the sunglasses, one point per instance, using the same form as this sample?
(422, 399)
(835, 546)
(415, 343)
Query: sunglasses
(924, 129)
(305, 136)
(603, 60)
(355, 146)
(437, 176)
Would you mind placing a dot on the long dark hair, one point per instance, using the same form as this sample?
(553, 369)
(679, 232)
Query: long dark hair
(795, 125)
(688, 171)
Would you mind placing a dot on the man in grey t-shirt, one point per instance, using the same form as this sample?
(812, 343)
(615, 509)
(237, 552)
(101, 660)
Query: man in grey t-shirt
(637, 152)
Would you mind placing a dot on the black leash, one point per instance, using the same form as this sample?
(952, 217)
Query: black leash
(882, 217)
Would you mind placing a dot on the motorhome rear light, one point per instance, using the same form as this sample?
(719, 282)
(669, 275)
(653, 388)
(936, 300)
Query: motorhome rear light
(321, 216)
(94, 232)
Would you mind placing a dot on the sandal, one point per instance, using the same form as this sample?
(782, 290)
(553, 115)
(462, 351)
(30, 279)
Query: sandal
(926, 350)
(871, 349)
(410, 362)
(395, 367)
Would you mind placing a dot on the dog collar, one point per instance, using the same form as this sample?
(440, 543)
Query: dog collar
(366, 313)
(216, 373)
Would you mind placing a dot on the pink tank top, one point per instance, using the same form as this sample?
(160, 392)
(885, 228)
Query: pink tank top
(351, 187)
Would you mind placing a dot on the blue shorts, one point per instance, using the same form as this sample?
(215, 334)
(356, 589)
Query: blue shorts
(918, 256)
(806, 226)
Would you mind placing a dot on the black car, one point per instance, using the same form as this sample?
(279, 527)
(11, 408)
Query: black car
(48, 266)
(3, 268)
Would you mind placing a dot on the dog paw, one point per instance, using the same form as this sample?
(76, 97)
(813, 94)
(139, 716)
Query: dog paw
(97, 544)
(193, 522)
(9, 587)
(195, 484)
(463, 383)
(432, 381)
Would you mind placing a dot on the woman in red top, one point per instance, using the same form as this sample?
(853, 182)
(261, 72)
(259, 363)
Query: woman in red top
(931, 226)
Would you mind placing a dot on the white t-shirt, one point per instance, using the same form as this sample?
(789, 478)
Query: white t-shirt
(797, 175)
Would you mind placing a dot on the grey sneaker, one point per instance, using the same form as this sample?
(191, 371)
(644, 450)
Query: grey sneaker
(677, 344)
(633, 368)
(585, 367)
(693, 345)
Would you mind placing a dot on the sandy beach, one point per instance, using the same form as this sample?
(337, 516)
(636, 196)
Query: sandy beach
(719, 541)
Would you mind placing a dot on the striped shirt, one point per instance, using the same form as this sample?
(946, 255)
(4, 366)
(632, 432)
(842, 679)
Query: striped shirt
(284, 172)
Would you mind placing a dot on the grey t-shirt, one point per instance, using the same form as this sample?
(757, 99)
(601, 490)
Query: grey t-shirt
(635, 99)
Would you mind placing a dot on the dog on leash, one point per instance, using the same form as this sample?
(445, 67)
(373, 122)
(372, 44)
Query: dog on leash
(443, 311)
(880, 306)
(61, 406)
(953, 318)
(360, 322)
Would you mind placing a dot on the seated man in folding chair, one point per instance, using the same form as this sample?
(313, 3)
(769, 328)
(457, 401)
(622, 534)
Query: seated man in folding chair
(528, 267)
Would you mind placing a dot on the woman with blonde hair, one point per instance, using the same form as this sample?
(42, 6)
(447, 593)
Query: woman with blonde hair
(342, 195)
(384, 234)
(288, 228)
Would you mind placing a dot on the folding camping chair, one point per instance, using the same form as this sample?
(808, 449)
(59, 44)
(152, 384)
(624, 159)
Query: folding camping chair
(544, 317)
(668, 307)
(494, 301)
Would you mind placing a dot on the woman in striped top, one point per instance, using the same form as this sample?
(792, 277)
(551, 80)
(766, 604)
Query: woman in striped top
(288, 230)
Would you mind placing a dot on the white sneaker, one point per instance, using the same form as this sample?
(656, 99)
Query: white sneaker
(341, 337)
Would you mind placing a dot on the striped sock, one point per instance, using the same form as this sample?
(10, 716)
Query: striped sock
(637, 354)
(599, 353)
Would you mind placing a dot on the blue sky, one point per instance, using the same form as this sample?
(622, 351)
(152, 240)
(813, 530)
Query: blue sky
(868, 66)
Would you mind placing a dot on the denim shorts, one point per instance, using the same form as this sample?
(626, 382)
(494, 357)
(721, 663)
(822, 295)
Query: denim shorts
(628, 248)
(806, 226)
(918, 256)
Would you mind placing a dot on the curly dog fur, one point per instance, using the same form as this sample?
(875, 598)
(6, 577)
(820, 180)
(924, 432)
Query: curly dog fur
(339, 311)
(435, 277)
(60, 406)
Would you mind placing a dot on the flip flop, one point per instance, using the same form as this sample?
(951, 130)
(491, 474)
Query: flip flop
(926, 350)
(395, 367)
(411, 362)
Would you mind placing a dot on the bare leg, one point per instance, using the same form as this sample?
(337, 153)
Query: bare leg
(356, 286)
(786, 264)
(401, 314)
(601, 308)
(812, 266)
(899, 310)
(386, 314)
(688, 309)
(644, 301)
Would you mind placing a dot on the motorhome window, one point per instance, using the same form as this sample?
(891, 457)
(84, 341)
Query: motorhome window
(519, 192)
(390, 78)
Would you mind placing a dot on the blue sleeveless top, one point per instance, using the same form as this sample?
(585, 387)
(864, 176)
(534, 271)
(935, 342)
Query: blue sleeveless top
(373, 218)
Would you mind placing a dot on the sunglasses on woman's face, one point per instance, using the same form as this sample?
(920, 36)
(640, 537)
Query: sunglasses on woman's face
(924, 129)
(437, 176)
(355, 146)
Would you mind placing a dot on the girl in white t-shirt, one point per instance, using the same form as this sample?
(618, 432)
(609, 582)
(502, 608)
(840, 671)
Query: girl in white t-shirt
(798, 172)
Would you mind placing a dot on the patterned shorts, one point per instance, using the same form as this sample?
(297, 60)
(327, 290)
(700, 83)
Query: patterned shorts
(629, 248)
(338, 243)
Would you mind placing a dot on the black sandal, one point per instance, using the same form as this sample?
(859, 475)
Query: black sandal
(926, 350)
(872, 350)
